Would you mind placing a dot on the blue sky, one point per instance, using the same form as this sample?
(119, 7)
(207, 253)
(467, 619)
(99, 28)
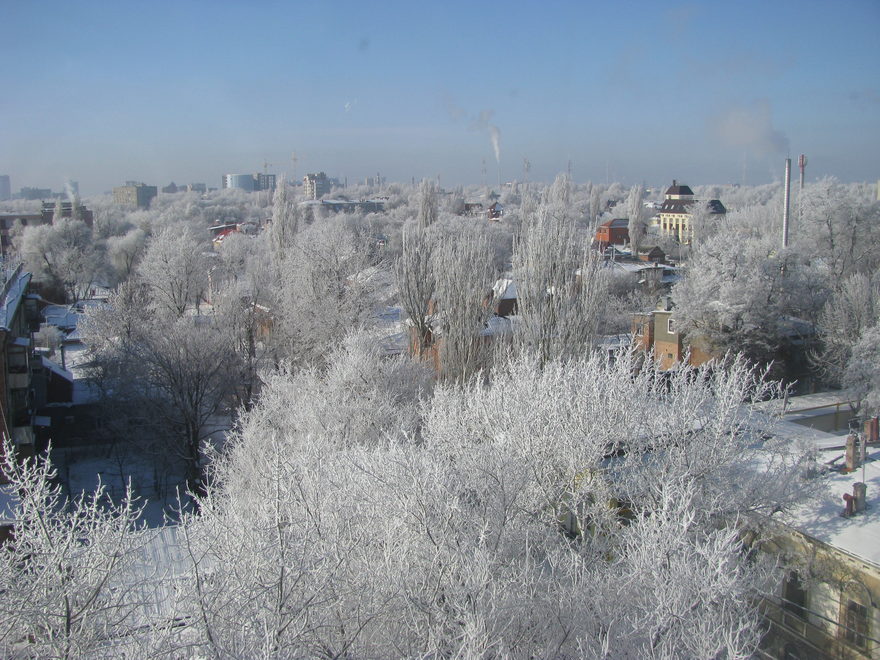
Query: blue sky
(633, 91)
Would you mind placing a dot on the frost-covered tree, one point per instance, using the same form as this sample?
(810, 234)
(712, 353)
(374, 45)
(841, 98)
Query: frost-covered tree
(852, 308)
(862, 375)
(63, 256)
(67, 573)
(416, 282)
(174, 373)
(330, 286)
(242, 285)
(175, 269)
(531, 518)
(636, 215)
(125, 251)
(464, 275)
(559, 194)
(595, 205)
(841, 227)
(559, 287)
(290, 568)
(427, 203)
(751, 299)
(285, 224)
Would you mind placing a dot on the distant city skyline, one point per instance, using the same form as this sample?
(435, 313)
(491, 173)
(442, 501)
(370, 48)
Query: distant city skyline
(711, 92)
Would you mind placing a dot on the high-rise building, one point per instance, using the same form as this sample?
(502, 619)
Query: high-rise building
(241, 181)
(134, 193)
(35, 193)
(249, 182)
(265, 181)
(5, 188)
(315, 186)
(66, 210)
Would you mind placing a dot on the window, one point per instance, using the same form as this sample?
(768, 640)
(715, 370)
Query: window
(670, 326)
(794, 596)
(856, 622)
(855, 600)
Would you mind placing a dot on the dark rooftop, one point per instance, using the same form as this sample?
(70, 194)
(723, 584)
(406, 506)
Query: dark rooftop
(678, 189)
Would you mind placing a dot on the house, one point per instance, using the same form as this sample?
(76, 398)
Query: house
(651, 253)
(503, 297)
(676, 212)
(827, 602)
(652, 277)
(473, 209)
(612, 232)
(495, 211)
(657, 332)
(16, 315)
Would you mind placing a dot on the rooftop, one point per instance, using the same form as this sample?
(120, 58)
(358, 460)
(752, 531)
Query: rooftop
(16, 284)
(858, 535)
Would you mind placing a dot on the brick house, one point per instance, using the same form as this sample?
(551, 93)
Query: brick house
(612, 232)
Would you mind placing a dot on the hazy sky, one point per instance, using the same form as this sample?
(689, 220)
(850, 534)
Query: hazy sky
(101, 92)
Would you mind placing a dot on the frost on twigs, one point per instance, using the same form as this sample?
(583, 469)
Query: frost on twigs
(69, 574)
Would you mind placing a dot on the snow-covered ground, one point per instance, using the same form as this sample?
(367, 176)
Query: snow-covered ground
(154, 478)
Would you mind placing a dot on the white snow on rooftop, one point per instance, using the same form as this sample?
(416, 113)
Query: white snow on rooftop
(858, 535)
(14, 289)
(504, 289)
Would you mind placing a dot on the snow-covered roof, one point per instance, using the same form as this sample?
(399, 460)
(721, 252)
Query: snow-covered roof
(394, 344)
(858, 535)
(638, 266)
(504, 289)
(14, 289)
(62, 316)
(499, 325)
(56, 368)
(615, 342)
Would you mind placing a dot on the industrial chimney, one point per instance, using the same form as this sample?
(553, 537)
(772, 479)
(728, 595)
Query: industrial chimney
(802, 164)
(786, 203)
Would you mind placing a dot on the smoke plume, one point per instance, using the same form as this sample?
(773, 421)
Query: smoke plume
(483, 122)
(751, 127)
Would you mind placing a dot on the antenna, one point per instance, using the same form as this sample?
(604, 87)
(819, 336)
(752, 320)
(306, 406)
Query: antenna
(294, 159)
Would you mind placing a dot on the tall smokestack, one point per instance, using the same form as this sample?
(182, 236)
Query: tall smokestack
(786, 204)
(802, 164)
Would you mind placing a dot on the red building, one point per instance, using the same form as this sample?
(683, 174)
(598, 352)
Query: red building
(613, 232)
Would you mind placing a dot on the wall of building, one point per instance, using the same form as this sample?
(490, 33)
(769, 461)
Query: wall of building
(830, 579)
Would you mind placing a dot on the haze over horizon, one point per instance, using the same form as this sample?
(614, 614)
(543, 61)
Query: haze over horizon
(702, 92)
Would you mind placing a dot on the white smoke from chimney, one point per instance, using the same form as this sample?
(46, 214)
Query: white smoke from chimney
(70, 192)
(751, 127)
(495, 136)
(483, 123)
